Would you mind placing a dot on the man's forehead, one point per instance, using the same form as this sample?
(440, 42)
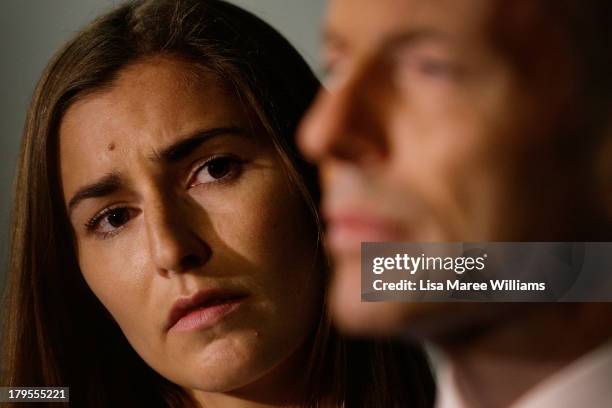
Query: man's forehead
(363, 24)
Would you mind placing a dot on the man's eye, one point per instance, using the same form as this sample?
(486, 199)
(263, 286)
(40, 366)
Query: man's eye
(436, 68)
(431, 67)
(216, 170)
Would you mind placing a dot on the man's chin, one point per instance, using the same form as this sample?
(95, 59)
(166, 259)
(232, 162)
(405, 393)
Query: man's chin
(417, 319)
(354, 316)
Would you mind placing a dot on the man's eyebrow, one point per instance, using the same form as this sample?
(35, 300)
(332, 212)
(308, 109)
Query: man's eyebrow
(106, 185)
(414, 37)
(184, 147)
(333, 39)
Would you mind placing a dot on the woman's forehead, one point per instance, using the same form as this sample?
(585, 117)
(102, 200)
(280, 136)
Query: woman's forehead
(151, 97)
(151, 104)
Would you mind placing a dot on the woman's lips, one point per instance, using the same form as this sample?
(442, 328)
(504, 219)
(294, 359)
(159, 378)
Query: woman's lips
(202, 310)
(347, 231)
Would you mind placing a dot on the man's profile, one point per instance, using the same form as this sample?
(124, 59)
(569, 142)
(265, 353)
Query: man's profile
(471, 120)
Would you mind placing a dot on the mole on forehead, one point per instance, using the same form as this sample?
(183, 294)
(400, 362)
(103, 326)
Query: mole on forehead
(111, 146)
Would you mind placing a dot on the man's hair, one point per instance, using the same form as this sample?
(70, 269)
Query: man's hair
(590, 27)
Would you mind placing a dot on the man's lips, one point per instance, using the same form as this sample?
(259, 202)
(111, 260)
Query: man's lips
(202, 309)
(346, 230)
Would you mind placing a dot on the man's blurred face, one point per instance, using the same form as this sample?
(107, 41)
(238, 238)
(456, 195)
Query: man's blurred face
(440, 123)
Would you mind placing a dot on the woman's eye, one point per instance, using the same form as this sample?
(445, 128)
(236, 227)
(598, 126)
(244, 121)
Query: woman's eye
(109, 221)
(216, 170)
(118, 217)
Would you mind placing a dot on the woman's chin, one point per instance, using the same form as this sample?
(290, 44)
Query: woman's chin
(225, 364)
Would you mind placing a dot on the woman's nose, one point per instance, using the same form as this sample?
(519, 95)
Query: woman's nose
(174, 243)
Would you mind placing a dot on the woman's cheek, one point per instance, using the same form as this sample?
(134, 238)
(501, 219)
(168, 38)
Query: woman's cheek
(243, 216)
(267, 222)
(118, 280)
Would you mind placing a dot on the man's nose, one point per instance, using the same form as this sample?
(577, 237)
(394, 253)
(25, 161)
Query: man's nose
(174, 243)
(347, 122)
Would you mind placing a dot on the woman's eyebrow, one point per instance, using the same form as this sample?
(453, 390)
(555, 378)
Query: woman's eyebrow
(100, 188)
(111, 182)
(183, 148)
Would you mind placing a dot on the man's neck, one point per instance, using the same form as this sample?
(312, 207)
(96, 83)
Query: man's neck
(504, 361)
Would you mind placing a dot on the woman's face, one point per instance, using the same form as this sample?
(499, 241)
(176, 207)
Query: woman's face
(175, 194)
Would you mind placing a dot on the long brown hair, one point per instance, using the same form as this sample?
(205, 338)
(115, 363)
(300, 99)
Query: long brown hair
(56, 333)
